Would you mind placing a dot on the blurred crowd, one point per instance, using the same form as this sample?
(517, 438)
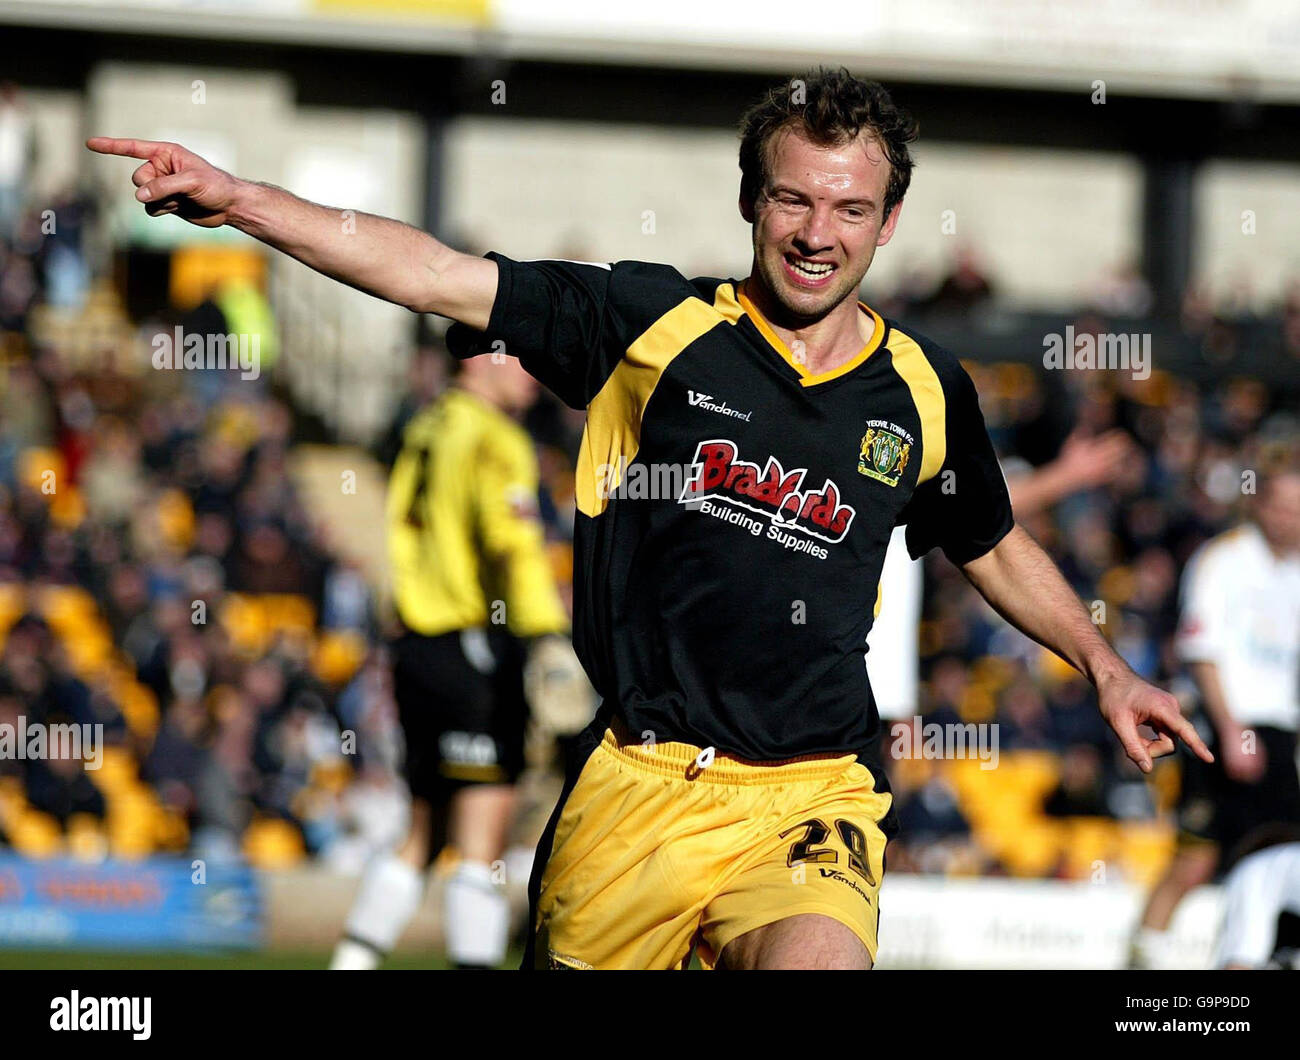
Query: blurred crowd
(161, 576)
(1121, 480)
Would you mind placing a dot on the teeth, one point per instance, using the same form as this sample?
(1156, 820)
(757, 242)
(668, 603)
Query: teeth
(811, 268)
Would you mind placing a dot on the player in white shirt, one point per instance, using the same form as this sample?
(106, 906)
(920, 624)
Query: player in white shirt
(1261, 923)
(1239, 634)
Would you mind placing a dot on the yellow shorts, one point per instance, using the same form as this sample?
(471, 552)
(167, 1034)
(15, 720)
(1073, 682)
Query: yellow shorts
(653, 857)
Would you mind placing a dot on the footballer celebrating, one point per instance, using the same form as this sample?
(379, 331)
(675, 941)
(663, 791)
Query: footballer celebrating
(724, 800)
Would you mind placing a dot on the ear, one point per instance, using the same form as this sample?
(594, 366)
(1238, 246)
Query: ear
(887, 229)
(746, 207)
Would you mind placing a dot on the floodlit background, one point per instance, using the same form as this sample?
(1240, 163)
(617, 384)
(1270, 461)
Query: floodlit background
(1117, 166)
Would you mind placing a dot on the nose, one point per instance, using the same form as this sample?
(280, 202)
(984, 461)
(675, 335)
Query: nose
(814, 235)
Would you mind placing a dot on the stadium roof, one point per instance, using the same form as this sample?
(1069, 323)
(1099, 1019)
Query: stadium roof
(1240, 49)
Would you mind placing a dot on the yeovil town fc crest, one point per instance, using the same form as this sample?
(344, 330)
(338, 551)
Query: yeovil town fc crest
(884, 453)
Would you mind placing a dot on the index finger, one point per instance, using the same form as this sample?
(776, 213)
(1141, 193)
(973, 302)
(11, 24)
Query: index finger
(1186, 732)
(109, 145)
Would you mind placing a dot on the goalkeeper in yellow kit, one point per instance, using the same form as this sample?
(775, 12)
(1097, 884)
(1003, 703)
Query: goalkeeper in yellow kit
(482, 622)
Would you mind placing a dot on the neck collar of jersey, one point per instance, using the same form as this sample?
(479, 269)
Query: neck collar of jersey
(807, 378)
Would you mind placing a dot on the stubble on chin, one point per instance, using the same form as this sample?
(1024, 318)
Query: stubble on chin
(807, 310)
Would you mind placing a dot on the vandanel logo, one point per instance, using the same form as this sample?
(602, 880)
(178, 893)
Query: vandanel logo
(705, 401)
(720, 474)
(884, 452)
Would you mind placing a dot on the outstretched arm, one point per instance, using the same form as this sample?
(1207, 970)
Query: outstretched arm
(1083, 462)
(1023, 585)
(382, 257)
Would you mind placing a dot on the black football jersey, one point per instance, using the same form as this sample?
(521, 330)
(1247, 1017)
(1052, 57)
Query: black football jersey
(733, 508)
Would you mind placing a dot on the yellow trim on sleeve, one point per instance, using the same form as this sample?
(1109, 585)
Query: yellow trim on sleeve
(612, 436)
(915, 370)
(726, 303)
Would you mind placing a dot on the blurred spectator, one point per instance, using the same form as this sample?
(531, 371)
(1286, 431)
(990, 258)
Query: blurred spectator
(426, 375)
(1124, 292)
(964, 287)
(1082, 791)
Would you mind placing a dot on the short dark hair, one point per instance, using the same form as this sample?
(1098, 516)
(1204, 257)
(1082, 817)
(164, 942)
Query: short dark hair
(829, 108)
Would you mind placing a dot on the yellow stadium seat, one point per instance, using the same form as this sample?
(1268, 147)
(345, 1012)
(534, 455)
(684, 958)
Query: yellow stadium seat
(35, 834)
(68, 508)
(1031, 849)
(338, 656)
(13, 799)
(992, 670)
(271, 843)
(116, 772)
(1092, 844)
(88, 647)
(130, 840)
(1005, 809)
(244, 619)
(42, 470)
(288, 612)
(67, 608)
(1052, 668)
(910, 773)
(332, 776)
(1117, 585)
(978, 703)
(197, 271)
(85, 837)
(13, 604)
(965, 774)
(170, 830)
(175, 517)
(1014, 380)
(139, 706)
(132, 821)
(1035, 773)
(1147, 848)
(1156, 390)
(115, 672)
(132, 801)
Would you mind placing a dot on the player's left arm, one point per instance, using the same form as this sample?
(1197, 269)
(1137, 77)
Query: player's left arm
(1023, 585)
(512, 538)
(510, 530)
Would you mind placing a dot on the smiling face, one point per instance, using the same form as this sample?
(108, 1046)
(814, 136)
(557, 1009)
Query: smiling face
(818, 220)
